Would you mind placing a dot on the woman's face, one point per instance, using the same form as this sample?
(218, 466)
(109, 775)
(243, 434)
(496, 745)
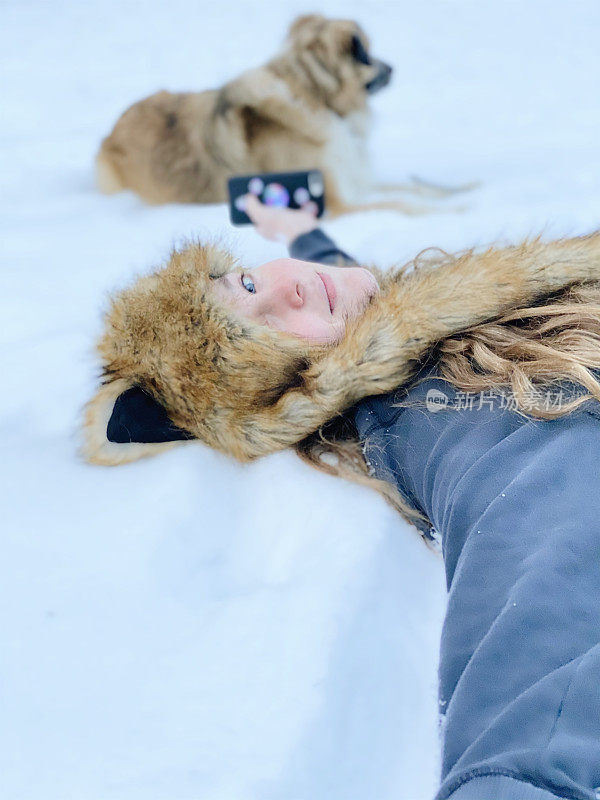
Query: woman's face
(310, 300)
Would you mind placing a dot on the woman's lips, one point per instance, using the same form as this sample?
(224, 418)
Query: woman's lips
(329, 290)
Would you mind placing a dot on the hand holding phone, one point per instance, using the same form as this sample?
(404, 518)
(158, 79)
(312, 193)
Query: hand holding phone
(279, 224)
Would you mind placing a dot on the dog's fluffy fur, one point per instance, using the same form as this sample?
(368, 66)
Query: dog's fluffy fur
(304, 109)
(248, 391)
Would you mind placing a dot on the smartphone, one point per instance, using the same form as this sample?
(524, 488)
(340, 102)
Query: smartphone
(279, 189)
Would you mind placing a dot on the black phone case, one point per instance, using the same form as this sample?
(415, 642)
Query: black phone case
(281, 189)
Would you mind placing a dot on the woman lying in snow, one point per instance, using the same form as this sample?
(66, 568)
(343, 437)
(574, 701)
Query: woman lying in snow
(493, 441)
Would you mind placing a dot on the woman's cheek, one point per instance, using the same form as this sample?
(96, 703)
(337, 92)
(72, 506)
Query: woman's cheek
(320, 330)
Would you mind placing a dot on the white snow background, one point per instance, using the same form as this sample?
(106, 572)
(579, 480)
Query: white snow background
(186, 628)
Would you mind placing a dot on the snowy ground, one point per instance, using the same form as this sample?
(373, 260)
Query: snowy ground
(187, 628)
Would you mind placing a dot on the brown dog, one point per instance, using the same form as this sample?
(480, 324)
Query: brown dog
(305, 109)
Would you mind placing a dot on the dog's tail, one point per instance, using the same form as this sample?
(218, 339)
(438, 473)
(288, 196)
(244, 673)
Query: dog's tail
(108, 178)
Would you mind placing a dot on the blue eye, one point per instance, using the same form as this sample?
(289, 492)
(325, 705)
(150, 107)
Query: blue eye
(248, 284)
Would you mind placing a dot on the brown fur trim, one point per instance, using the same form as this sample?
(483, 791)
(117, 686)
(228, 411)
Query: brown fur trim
(249, 391)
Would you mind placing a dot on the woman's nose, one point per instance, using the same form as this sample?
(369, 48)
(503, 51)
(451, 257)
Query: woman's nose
(289, 291)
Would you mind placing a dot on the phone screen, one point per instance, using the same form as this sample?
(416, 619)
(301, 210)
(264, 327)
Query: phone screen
(277, 189)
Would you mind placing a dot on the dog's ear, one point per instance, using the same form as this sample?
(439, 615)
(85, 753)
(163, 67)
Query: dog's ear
(305, 26)
(122, 424)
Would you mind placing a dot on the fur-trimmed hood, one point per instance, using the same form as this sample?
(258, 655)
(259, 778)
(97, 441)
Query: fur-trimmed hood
(247, 390)
(209, 369)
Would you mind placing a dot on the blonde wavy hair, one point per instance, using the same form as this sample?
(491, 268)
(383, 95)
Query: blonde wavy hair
(527, 352)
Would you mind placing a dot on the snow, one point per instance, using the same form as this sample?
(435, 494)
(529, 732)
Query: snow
(186, 627)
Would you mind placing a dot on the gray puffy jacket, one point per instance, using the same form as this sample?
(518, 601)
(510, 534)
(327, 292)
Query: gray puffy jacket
(516, 503)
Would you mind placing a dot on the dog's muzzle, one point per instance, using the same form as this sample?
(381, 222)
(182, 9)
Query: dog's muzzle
(381, 79)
